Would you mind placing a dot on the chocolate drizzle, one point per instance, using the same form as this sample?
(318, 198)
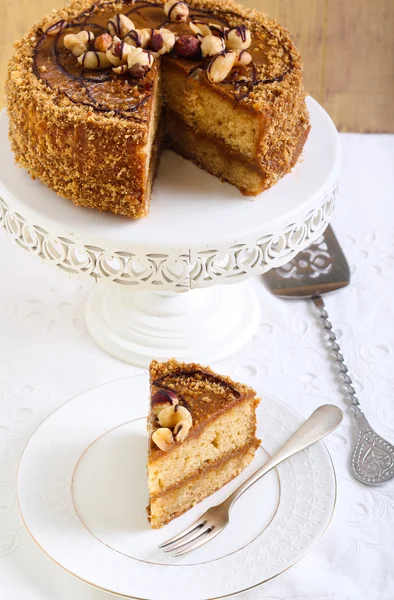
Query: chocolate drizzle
(172, 8)
(205, 375)
(87, 82)
(84, 79)
(55, 53)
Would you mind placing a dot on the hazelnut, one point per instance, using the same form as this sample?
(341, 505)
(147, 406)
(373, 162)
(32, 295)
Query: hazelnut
(172, 415)
(242, 59)
(145, 36)
(163, 439)
(220, 66)
(141, 57)
(211, 45)
(118, 52)
(200, 28)
(163, 398)
(188, 46)
(103, 42)
(120, 25)
(121, 70)
(238, 38)
(138, 72)
(94, 60)
(181, 430)
(139, 38)
(79, 43)
(176, 11)
(162, 41)
(54, 26)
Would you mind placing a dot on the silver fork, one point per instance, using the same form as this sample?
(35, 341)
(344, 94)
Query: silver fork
(321, 422)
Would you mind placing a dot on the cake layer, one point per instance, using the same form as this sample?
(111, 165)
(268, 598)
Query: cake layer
(202, 104)
(180, 498)
(205, 444)
(267, 135)
(218, 158)
(213, 156)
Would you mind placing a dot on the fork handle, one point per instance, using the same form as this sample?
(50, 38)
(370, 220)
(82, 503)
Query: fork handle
(321, 422)
(348, 383)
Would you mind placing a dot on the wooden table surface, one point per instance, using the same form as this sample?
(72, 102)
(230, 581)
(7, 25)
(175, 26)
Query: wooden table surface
(347, 47)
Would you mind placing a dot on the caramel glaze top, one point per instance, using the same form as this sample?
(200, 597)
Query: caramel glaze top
(205, 394)
(106, 92)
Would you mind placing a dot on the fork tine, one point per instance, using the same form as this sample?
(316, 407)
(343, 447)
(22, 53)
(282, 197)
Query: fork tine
(202, 539)
(188, 539)
(196, 525)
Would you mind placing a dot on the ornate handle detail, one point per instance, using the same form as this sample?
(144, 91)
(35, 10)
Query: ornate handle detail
(373, 457)
(351, 392)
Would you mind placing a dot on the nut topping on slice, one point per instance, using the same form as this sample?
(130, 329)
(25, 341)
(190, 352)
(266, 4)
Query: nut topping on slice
(102, 43)
(176, 11)
(172, 415)
(162, 399)
(220, 66)
(188, 46)
(163, 438)
(181, 430)
(242, 59)
(162, 41)
(120, 25)
(94, 60)
(238, 38)
(80, 42)
(211, 45)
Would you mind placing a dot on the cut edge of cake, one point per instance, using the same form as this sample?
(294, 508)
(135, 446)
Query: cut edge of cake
(217, 443)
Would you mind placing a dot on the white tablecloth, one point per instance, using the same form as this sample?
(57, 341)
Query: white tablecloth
(47, 357)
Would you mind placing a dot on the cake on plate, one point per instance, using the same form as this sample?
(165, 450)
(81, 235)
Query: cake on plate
(96, 90)
(202, 434)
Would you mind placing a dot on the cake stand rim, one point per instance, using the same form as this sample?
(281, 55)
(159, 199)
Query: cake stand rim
(181, 267)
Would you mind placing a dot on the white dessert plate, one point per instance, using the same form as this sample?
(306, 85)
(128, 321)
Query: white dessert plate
(82, 494)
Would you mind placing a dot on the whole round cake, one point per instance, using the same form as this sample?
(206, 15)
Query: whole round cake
(96, 90)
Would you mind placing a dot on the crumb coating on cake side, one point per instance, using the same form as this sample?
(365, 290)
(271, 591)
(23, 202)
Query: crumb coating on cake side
(98, 159)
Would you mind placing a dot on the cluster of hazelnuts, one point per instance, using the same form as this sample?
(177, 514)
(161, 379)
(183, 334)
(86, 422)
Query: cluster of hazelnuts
(174, 420)
(130, 50)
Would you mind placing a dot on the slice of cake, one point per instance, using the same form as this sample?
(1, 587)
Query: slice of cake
(97, 88)
(202, 434)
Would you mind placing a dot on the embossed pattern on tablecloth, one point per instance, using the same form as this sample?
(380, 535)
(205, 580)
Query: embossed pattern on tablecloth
(46, 357)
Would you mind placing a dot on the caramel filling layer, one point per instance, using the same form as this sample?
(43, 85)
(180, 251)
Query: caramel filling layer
(252, 445)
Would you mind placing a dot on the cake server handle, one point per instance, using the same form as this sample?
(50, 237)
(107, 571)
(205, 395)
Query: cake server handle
(322, 421)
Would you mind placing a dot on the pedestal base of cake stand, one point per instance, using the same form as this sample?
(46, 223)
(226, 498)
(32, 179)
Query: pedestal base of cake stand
(204, 325)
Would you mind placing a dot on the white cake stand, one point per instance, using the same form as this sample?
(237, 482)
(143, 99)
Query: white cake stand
(200, 233)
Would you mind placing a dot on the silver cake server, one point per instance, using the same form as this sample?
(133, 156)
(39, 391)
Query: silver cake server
(320, 269)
